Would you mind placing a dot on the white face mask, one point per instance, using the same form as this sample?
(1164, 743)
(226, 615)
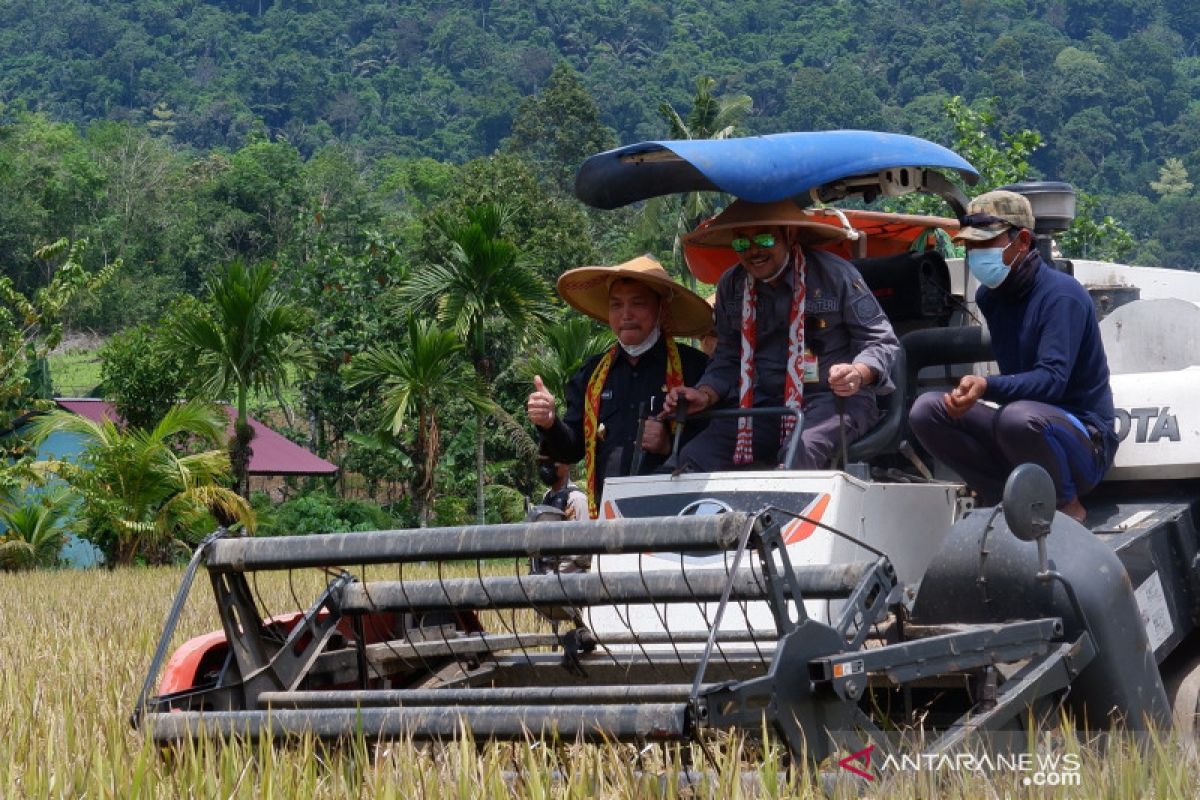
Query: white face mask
(636, 350)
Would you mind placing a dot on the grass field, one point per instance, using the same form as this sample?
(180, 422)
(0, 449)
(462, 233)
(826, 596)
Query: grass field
(75, 371)
(74, 647)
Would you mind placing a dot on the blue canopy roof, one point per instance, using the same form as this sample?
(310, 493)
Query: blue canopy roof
(760, 169)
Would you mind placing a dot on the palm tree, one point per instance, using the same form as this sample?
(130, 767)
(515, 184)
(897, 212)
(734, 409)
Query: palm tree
(711, 117)
(566, 345)
(480, 287)
(138, 492)
(248, 343)
(36, 529)
(417, 379)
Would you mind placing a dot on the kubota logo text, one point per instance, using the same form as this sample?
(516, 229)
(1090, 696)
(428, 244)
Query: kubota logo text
(1148, 424)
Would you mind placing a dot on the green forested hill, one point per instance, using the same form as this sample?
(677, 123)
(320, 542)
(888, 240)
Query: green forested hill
(1109, 83)
(198, 129)
(345, 142)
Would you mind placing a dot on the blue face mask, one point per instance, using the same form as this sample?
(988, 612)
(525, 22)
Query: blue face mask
(987, 265)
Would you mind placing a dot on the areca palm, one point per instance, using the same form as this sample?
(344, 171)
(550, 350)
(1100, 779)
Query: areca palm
(711, 117)
(35, 529)
(137, 491)
(566, 345)
(417, 379)
(480, 286)
(248, 344)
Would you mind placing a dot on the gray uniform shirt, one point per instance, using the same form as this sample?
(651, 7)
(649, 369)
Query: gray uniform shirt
(843, 324)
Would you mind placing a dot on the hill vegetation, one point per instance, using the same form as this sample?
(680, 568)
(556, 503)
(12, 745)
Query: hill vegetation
(342, 141)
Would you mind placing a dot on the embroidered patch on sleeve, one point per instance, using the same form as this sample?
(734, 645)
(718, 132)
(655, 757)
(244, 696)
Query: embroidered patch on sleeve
(867, 309)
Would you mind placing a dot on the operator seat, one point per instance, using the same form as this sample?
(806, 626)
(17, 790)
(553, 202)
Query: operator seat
(913, 289)
(886, 435)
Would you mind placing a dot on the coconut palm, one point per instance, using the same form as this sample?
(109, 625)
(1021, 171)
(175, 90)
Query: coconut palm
(479, 288)
(35, 529)
(248, 344)
(138, 492)
(417, 379)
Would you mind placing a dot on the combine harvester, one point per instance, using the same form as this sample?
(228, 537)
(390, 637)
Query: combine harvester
(831, 605)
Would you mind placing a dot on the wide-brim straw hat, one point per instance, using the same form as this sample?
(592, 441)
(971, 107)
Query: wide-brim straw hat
(718, 231)
(685, 313)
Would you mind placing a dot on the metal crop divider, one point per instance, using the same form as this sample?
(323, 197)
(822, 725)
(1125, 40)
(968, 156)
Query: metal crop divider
(787, 698)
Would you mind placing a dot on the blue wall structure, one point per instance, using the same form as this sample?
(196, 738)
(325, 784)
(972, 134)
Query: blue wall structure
(76, 553)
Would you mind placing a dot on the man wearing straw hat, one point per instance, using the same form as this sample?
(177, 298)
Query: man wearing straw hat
(796, 327)
(1051, 404)
(645, 308)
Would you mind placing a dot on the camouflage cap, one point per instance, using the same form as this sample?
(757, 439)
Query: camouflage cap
(991, 214)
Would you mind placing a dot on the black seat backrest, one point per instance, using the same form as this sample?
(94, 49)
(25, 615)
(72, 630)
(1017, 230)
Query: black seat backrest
(909, 286)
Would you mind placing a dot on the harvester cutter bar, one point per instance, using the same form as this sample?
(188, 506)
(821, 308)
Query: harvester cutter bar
(596, 723)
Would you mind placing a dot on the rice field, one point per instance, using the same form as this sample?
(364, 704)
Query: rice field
(74, 647)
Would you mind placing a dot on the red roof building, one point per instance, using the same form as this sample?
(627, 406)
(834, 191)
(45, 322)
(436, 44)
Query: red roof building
(271, 452)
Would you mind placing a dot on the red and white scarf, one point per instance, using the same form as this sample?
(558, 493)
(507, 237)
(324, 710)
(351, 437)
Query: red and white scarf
(793, 392)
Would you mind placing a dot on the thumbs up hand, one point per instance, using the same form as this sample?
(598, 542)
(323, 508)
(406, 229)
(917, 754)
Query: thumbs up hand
(540, 405)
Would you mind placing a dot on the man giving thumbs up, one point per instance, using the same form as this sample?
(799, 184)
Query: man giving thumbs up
(643, 306)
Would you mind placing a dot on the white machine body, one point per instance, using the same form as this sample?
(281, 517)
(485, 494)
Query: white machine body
(907, 522)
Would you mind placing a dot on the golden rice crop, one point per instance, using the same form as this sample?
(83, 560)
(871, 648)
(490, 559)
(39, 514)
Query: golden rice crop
(74, 647)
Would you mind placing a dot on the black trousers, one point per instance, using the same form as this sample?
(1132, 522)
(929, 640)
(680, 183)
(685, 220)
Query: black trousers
(820, 437)
(985, 444)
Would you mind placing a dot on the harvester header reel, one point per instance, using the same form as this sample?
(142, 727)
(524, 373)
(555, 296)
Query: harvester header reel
(425, 633)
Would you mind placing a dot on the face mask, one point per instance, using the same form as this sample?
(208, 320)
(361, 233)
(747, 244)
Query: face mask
(987, 265)
(636, 350)
(548, 474)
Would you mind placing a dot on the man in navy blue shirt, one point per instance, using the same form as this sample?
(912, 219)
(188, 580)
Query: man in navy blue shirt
(1052, 404)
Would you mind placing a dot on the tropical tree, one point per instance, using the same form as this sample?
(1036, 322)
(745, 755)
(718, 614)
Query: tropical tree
(711, 117)
(1001, 157)
(556, 129)
(31, 324)
(484, 292)
(36, 528)
(143, 371)
(248, 343)
(564, 348)
(418, 378)
(1172, 178)
(139, 493)
(1094, 234)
